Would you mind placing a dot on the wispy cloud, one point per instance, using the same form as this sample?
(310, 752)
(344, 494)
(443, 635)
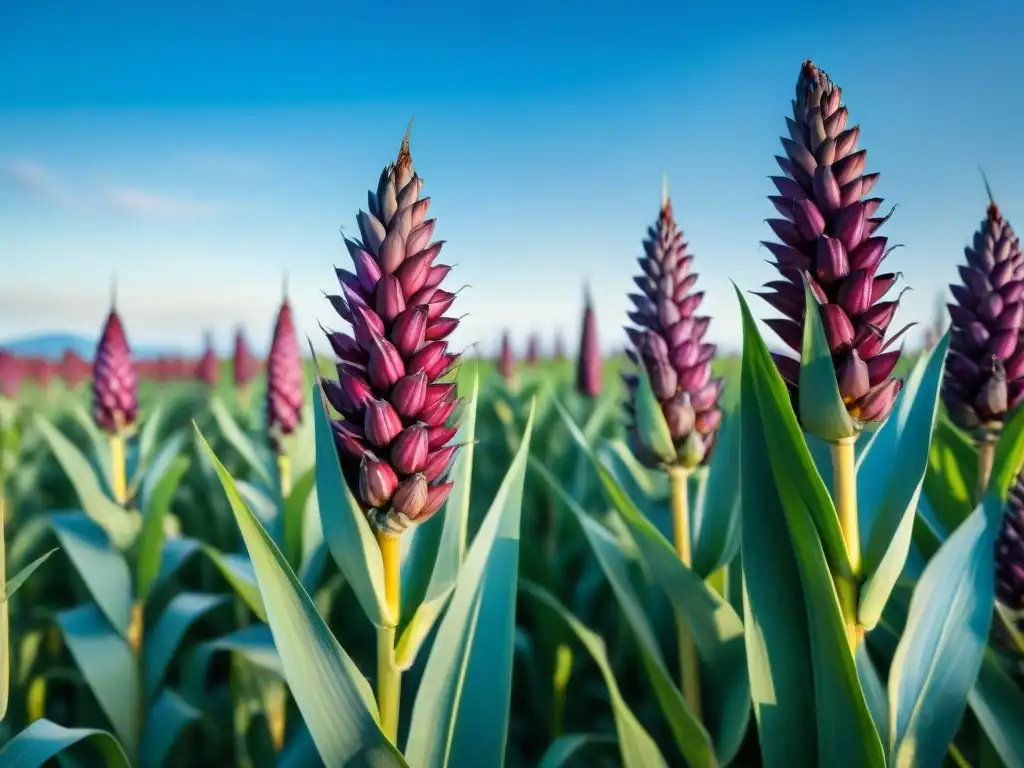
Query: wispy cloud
(225, 165)
(46, 183)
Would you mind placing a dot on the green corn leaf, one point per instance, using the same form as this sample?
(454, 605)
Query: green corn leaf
(890, 525)
(715, 520)
(333, 696)
(637, 748)
(166, 721)
(107, 664)
(119, 525)
(238, 571)
(940, 652)
(44, 740)
(822, 410)
(238, 440)
(98, 440)
(254, 643)
(690, 736)
(438, 548)
(346, 531)
(874, 692)
(565, 749)
(294, 516)
(716, 629)
(15, 582)
(776, 469)
(650, 421)
(163, 639)
(783, 438)
(147, 443)
(1009, 458)
(998, 702)
(102, 568)
(952, 477)
(461, 710)
(158, 487)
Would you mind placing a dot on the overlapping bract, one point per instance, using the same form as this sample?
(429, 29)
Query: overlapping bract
(394, 440)
(984, 377)
(285, 383)
(245, 365)
(668, 343)
(115, 382)
(589, 365)
(208, 369)
(828, 238)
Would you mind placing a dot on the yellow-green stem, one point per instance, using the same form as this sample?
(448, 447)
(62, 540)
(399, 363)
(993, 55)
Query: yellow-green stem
(389, 677)
(689, 662)
(986, 457)
(118, 480)
(284, 470)
(844, 486)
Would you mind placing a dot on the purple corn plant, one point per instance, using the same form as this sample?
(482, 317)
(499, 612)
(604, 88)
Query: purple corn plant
(506, 361)
(245, 366)
(208, 369)
(984, 377)
(285, 383)
(533, 350)
(394, 441)
(827, 236)
(589, 365)
(668, 343)
(11, 374)
(115, 382)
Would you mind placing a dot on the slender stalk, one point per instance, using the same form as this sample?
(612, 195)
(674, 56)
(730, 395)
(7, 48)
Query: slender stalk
(118, 479)
(276, 704)
(389, 677)
(689, 662)
(844, 475)
(135, 632)
(986, 457)
(284, 469)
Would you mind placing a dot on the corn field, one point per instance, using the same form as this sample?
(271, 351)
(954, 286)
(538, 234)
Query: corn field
(404, 556)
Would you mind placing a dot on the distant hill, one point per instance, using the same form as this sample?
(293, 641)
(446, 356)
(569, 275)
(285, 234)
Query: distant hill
(53, 345)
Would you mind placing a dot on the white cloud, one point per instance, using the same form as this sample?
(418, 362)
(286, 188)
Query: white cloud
(49, 184)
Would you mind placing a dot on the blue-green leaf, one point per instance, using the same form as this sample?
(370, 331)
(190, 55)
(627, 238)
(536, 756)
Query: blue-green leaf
(159, 484)
(822, 410)
(777, 470)
(44, 740)
(333, 696)
(162, 641)
(566, 748)
(715, 521)
(438, 548)
(637, 747)
(892, 521)
(102, 568)
(238, 440)
(15, 582)
(1009, 458)
(294, 516)
(108, 666)
(346, 530)
(940, 651)
(997, 701)
(690, 736)
(119, 524)
(166, 720)
(460, 716)
(650, 421)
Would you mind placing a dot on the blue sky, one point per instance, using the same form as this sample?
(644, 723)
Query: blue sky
(201, 149)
